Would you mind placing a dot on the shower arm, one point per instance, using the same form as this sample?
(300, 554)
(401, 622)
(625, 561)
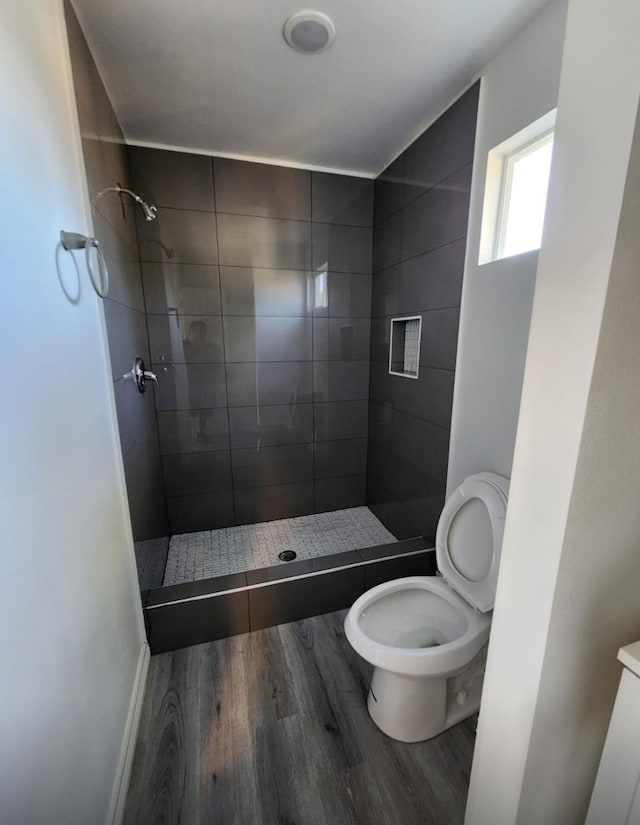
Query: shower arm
(149, 210)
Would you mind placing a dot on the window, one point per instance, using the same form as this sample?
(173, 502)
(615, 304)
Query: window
(516, 192)
(404, 346)
(526, 180)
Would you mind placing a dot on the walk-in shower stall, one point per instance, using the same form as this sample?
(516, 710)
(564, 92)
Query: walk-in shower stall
(302, 326)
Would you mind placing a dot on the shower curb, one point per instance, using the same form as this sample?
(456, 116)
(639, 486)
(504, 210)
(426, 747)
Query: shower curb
(203, 611)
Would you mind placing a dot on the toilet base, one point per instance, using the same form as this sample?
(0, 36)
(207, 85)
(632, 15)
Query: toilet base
(413, 708)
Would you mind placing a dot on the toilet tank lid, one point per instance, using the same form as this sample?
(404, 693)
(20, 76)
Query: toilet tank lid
(469, 538)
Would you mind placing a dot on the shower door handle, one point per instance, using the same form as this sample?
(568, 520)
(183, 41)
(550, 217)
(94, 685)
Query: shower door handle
(140, 375)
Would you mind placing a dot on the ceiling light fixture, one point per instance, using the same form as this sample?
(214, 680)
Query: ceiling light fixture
(309, 32)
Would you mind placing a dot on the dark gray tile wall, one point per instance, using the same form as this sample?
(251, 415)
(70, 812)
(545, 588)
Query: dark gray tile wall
(252, 297)
(421, 212)
(257, 281)
(114, 220)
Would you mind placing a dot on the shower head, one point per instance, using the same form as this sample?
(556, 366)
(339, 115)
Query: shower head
(148, 209)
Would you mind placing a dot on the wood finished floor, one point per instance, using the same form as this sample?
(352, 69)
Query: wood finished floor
(271, 728)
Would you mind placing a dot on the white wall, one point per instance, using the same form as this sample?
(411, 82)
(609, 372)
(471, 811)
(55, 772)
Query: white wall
(71, 631)
(518, 86)
(568, 589)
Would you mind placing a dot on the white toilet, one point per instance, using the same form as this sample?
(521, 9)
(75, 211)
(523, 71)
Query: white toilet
(427, 635)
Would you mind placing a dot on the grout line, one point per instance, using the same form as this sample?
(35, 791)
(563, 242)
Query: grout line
(404, 183)
(313, 358)
(262, 406)
(217, 211)
(224, 363)
(419, 255)
(370, 348)
(155, 406)
(208, 264)
(224, 350)
(410, 415)
(308, 317)
(279, 363)
(273, 446)
(265, 486)
(419, 311)
(384, 269)
(287, 268)
(436, 185)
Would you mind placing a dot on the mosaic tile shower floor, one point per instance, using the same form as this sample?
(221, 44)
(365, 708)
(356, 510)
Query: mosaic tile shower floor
(210, 553)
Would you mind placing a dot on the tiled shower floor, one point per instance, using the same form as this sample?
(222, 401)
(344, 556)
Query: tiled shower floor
(210, 553)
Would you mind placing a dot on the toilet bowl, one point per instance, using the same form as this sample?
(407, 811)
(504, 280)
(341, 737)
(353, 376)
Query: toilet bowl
(427, 635)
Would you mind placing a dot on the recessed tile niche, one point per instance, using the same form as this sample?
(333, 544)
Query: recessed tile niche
(404, 351)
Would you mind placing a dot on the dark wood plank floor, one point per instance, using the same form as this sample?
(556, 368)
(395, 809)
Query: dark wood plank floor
(271, 728)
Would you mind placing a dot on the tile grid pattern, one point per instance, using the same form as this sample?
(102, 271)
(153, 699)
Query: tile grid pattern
(220, 552)
(421, 211)
(263, 395)
(106, 162)
(320, 300)
(264, 398)
(151, 558)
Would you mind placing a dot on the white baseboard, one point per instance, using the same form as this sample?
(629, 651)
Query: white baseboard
(125, 763)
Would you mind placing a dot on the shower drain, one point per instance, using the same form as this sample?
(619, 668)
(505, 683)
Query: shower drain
(287, 555)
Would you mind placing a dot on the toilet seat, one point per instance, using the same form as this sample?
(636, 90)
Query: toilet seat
(469, 538)
(462, 642)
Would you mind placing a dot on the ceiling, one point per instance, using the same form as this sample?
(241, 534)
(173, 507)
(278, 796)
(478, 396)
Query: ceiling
(216, 76)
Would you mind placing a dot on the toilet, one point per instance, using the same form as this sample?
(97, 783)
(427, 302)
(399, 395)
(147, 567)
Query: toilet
(427, 635)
